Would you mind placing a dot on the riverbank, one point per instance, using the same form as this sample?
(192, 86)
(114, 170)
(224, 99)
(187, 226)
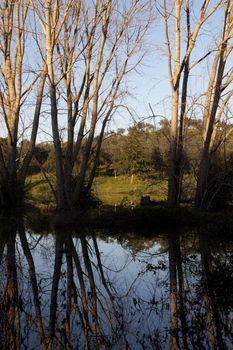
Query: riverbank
(156, 218)
(122, 219)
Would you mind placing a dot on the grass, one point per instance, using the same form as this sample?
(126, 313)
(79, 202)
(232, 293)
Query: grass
(117, 212)
(38, 192)
(120, 190)
(110, 190)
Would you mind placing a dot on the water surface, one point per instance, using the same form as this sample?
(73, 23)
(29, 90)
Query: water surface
(93, 290)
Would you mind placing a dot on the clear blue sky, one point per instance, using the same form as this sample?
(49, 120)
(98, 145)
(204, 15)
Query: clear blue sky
(150, 84)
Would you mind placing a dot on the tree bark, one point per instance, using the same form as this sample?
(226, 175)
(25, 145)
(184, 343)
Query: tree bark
(213, 97)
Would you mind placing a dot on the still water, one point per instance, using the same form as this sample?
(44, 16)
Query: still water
(93, 290)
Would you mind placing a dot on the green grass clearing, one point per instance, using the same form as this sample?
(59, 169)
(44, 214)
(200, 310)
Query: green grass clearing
(110, 190)
(115, 191)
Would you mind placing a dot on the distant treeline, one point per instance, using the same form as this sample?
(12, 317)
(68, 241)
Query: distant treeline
(143, 150)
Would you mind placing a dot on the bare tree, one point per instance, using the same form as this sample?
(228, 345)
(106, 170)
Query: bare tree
(90, 48)
(218, 94)
(52, 17)
(14, 92)
(179, 72)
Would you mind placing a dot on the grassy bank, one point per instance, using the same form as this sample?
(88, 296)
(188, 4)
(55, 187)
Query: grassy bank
(111, 219)
(120, 209)
(151, 219)
(124, 190)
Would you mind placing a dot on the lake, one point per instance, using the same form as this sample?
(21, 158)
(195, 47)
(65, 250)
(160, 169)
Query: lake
(102, 290)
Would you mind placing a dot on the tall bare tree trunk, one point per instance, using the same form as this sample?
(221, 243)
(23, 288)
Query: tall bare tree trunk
(27, 159)
(213, 96)
(177, 68)
(173, 180)
(13, 166)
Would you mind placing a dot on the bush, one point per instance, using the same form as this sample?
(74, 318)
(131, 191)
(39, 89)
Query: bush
(220, 183)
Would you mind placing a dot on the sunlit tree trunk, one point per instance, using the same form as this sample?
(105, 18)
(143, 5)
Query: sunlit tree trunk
(178, 70)
(173, 181)
(13, 94)
(216, 87)
(51, 28)
(29, 154)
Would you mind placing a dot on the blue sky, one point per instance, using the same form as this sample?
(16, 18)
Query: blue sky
(152, 84)
(149, 85)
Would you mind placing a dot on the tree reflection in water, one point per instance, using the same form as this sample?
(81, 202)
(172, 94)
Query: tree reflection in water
(64, 292)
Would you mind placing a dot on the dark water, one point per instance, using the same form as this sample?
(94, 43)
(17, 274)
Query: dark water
(99, 291)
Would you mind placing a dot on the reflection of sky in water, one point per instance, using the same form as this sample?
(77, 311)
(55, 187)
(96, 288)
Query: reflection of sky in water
(134, 286)
(137, 275)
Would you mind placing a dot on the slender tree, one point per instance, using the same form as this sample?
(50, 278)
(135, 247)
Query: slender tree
(52, 17)
(14, 93)
(218, 94)
(179, 72)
